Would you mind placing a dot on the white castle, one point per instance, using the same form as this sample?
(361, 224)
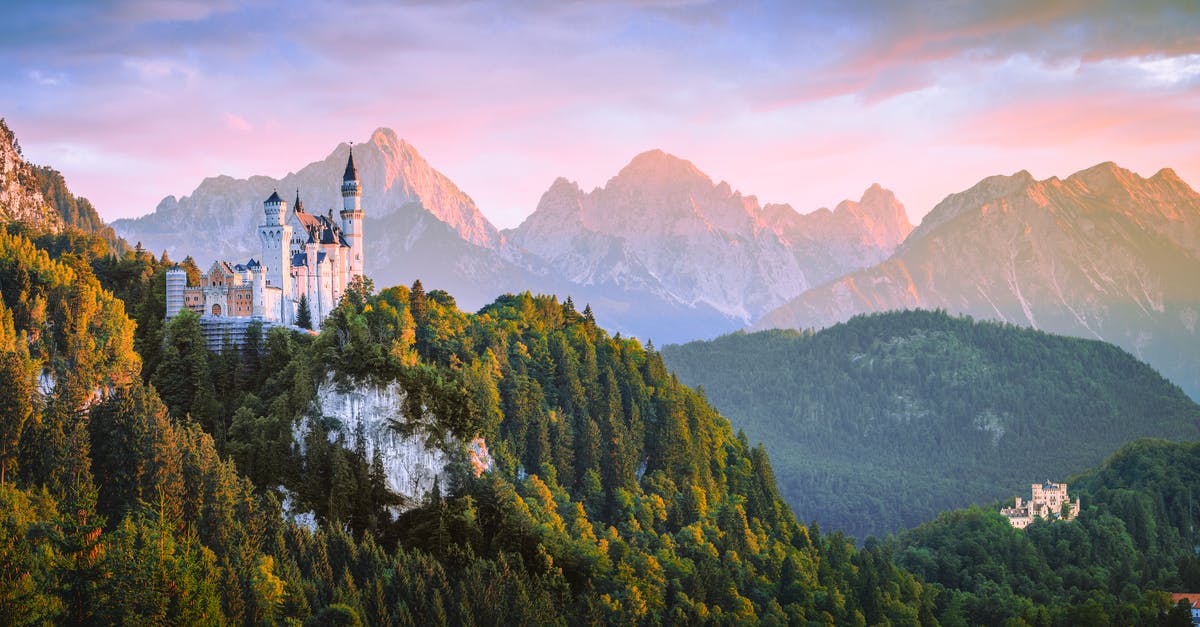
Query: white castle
(304, 257)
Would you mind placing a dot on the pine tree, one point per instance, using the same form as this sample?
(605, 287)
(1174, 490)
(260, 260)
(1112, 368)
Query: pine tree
(418, 303)
(303, 313)
(16, 405)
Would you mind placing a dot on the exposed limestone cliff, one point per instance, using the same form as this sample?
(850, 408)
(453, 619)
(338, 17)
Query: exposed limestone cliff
(414, 462)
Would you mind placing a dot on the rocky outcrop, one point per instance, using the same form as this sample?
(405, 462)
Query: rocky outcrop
(415, 459)
(21, 200)
(1103, 254)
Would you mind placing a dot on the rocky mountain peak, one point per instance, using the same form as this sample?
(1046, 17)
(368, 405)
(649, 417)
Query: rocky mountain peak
(385, 135)
(1106, 177)
(396, 180)
(1104, 254)
(881, 216)
(983, 192)
(655, 168)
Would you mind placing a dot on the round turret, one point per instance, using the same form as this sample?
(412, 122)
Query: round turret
(274, 207)
(176, 282)
(352, 216)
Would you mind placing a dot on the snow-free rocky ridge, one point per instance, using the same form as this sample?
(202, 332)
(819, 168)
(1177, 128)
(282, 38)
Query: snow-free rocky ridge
(1103, 254)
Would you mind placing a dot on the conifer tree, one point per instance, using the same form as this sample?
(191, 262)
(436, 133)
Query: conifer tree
(16, 394)
(418, 303)
(303, 313)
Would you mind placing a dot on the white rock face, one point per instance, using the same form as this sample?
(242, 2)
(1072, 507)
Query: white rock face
(413, 463)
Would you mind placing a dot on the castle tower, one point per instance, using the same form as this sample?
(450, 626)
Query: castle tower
(352, 215)
(176, 282)
(276, 236)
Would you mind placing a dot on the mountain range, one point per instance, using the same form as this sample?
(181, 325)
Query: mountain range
(663, 225)
(661, 251)
(1103, 254)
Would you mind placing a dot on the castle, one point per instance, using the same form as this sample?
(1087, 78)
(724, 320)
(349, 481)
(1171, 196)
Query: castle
(306, 258)
(1047, 500)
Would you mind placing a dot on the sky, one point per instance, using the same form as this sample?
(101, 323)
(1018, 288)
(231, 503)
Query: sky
(806, 103)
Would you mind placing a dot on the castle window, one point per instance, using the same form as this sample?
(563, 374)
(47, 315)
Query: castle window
(216, 310)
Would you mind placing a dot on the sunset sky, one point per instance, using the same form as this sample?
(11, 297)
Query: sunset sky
(137, 99)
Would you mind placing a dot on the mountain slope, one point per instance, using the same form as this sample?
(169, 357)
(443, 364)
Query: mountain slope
(663, 225)
(1104, 254)
(21, 198)
(877, 424)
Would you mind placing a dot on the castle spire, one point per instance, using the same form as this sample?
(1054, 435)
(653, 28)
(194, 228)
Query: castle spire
(351, 172)
(298, 205)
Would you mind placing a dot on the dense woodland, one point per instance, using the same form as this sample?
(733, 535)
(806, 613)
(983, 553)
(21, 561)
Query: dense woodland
(142, 476)
(877, 424)
(148, 491)
(1136, 535)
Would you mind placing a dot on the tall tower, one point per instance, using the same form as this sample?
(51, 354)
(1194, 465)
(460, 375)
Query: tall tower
(176, 281)
(352, 215)
(276, 236)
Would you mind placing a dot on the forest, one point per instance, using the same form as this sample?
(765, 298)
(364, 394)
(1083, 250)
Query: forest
(878, 424)
(147, 489)
(143, 478)
(1136, 535)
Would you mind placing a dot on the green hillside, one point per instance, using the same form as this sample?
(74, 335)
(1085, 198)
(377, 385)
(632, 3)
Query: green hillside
(617, 495)
(1135, 536)
(879, 423)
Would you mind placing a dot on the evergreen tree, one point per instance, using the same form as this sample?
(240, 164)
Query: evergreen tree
(16, 404)
(303, 314)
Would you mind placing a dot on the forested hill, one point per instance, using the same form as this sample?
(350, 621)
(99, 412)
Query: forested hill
(615, 494)
(37, 198)
(1135, 536)
(879, 423)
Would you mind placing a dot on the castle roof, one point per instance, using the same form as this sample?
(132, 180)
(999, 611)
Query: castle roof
(351, 173)
(299, 205)
(321, 229)
(301, 259)
(249, 265)
(220, 266)
(308, 221)
(274, 197)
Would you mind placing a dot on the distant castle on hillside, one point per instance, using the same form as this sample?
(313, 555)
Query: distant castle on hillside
(305, 257)
(1046, 501)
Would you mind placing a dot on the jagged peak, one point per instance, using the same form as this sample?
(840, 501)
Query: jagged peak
(390, 144)
(986, 190)
(562, 183)
(1105, 173)
(1167, 174)
(385, 134)
(657, 166)
(877, 192)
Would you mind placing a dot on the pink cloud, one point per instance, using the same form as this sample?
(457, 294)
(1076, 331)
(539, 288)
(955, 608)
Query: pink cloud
(237, 123)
